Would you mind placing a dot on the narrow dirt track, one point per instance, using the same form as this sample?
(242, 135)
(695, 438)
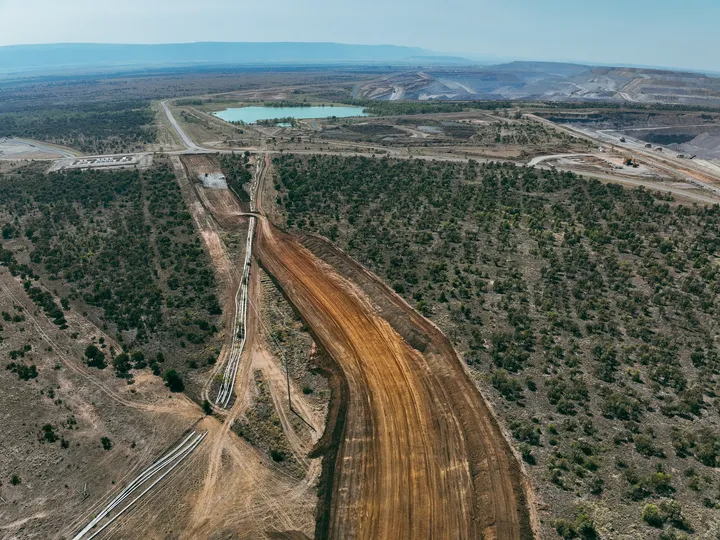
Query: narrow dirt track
(420, 456)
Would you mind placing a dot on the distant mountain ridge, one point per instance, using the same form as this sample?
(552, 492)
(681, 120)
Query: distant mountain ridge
(89, 56)
(414, 74)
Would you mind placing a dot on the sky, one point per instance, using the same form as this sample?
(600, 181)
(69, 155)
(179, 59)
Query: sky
(669, 33)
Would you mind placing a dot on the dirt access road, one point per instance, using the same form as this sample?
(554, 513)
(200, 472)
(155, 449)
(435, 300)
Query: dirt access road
(187, 141)
(690, 170)
(414, 450)
(419, 454)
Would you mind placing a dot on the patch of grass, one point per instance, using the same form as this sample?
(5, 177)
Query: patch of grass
(262, 428)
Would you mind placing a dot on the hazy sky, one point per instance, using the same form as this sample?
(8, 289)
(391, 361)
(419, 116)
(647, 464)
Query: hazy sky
(649, 32)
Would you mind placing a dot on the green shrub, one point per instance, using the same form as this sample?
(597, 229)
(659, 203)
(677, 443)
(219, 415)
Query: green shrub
(652, 516)
(95, 357)
(106, 443)
(174, 381)
(47, 434)
(583, 527)
(207, 407)
(668, 511)
(510, 388)
(277, 455)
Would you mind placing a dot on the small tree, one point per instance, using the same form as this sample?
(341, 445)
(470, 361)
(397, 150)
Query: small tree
(277, 455)
(138, 360)
(95, 357)
(672, 513)
(207, 407)
(47, 434)
(122, 366)
(565, 529)
(174, 381)
(106, 443)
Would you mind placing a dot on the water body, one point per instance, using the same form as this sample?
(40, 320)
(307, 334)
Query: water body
(250, 115)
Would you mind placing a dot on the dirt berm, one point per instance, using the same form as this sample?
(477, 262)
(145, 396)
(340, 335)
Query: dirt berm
(420, 455)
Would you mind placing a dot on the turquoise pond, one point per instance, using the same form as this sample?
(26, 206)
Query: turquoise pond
(250, 115)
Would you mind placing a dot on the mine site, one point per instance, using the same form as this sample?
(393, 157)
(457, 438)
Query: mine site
(300, 289)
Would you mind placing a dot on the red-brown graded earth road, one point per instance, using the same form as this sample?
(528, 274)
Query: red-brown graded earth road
(420, 455)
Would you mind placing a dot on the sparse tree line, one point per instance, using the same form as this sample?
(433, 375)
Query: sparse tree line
(397, 108)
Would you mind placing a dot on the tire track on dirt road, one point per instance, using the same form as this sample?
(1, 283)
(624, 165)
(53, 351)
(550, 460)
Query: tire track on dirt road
(421, 456)
(145, 481)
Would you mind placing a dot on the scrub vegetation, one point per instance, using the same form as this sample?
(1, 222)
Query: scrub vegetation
(586, 312)
(121, 248)
(95, 128)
